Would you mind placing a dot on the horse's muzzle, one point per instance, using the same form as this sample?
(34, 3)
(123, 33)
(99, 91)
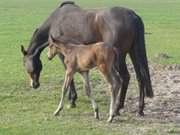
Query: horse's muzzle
(35, 85)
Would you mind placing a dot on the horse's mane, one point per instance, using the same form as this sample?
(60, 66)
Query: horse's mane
(67, 2)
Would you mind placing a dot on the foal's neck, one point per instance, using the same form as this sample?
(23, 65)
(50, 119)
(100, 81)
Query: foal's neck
(64, 49)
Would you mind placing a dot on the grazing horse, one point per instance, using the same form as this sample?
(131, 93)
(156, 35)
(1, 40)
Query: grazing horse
(119, 27)
(82, 58)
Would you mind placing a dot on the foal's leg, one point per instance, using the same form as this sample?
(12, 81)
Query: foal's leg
(88, 93)
(67, 81)
(118, 84)
(113, 86)
(72, 90)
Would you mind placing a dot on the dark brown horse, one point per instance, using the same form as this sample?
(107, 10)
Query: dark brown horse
(118, 27)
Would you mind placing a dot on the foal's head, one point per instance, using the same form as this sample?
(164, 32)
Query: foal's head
(52, 48)
(61, 43)
(51, 51)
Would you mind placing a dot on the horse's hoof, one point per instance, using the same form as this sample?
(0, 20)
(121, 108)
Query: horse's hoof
(140, 114)
(96, 115)
(71, 106)
(121, 106)
(117, 113)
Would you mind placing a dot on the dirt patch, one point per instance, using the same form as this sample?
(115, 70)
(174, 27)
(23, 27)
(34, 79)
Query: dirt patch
(165, 106)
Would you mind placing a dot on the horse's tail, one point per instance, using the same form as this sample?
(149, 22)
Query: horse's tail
(140, 57)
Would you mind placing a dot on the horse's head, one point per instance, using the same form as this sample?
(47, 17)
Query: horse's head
(33, 67)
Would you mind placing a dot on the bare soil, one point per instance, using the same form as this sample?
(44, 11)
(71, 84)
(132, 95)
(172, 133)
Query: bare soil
(165, 106)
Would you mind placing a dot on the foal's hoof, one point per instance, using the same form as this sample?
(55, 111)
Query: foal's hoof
(56, 113)
(110, 119)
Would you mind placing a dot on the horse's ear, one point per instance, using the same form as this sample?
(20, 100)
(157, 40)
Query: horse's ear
(24, 52)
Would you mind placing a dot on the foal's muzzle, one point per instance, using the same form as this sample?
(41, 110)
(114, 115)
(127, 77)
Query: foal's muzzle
(49, 58)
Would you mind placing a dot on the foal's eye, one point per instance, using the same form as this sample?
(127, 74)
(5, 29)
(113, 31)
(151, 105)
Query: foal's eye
(51, 47)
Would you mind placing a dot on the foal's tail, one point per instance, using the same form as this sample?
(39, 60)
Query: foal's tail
(139, 58)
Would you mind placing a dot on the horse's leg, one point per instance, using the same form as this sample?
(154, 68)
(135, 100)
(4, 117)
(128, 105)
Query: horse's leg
(141, 99)
(67, 81)
(140, 82)
(88, 93)
(72, 90)
(72, 95)
(124, 74)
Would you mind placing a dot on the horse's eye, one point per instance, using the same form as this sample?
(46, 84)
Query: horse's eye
(29, 66)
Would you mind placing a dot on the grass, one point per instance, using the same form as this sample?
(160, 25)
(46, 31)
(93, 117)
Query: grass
(24, 111)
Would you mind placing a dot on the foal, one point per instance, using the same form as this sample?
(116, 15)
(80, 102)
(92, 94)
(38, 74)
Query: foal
(82, 58)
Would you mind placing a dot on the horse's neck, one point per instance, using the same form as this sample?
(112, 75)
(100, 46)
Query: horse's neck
(38, 40)
(36, 46)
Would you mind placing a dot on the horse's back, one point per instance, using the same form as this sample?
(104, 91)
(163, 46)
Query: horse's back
(114, 25)
(118, 26)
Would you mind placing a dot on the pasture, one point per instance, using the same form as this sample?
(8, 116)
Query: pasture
(24, 111)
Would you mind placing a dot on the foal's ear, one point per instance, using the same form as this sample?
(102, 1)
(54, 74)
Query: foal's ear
(52, 39)
(24, 52)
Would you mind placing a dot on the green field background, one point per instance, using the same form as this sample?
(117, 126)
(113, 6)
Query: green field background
(24, 111)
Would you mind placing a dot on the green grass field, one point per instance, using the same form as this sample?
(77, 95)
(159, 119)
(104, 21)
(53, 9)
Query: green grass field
(24, 111)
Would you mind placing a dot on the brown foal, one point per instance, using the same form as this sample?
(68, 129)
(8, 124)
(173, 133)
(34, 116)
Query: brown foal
(82, 58)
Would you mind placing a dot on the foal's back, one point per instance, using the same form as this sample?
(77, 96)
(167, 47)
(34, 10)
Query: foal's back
(94, 55)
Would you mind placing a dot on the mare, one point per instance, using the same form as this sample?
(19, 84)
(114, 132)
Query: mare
(119, 27)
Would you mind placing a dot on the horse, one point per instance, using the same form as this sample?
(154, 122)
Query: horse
(82, 58)
(119, 27)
